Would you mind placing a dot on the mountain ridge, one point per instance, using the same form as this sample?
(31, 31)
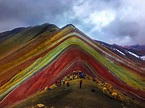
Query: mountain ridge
(47, 56)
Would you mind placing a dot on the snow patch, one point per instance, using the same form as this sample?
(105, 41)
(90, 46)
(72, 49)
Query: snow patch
(120, 52)
(143, 57)
(133, 54)
(140, 57)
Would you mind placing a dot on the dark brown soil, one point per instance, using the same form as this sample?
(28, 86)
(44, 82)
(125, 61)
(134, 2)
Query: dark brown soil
(89, 96)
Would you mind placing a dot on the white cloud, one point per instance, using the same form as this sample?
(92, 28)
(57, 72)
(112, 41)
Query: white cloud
(100, 19)
(132, 10)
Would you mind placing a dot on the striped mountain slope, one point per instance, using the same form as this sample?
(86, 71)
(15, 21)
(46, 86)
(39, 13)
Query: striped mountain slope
(36, 57)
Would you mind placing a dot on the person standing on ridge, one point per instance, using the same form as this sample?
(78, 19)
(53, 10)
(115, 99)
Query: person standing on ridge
(68, 86)
(81, 83)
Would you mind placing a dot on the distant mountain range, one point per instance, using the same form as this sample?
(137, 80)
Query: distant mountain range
(134, 52)
(137, 49)
(32, 58)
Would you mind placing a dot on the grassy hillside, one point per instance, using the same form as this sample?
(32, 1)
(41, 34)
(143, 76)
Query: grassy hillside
(74, 98)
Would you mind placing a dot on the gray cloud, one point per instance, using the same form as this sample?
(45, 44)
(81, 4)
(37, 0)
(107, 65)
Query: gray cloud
(112, 21)
(129, 22)
(120, 22)
(31, 12)
(121, 28)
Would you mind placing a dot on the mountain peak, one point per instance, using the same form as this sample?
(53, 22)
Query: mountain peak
(35, 57)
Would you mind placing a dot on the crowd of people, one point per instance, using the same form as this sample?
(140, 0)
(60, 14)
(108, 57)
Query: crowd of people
(75, 75)
(65, 81)
(105, 87)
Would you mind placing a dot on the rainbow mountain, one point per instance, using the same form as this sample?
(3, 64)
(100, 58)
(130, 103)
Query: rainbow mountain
(32, 58)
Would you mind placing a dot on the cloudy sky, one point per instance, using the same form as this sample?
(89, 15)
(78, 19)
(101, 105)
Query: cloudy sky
(112, 21)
